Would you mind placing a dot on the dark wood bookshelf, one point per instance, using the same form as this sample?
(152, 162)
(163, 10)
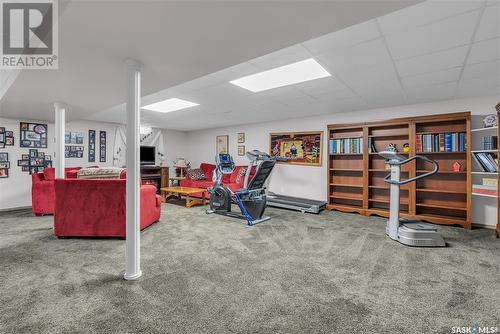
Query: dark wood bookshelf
(355, 182)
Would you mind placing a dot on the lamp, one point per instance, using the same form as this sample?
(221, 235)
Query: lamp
(181, 164)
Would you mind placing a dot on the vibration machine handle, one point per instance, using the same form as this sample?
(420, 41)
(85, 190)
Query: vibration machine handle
(434, 171)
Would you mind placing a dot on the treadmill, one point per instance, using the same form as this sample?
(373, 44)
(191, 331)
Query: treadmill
(295, 203)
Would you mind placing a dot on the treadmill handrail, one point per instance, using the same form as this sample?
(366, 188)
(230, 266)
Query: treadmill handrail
(434, 171)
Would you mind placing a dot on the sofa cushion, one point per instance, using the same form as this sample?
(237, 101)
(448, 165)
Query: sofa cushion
(208, 170)
(100, 173)
(196, 174)
(49, 174)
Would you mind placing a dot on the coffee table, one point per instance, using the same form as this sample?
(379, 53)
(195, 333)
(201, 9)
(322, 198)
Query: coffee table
(177, 192)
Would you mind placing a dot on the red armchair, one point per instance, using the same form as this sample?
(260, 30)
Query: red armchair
(42, 190)
(232, 181)
(96, 208)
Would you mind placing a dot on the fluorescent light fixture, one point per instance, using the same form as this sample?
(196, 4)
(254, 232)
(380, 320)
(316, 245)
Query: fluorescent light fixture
(290, 74)
(169, 105)
(145, 129)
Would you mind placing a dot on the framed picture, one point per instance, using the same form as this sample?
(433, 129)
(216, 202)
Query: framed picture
(241, 138)
(33, 135)
(102, 146)
(222, 144)
(91, 146)
(4, 156)
(299, 148)
(4, 164)
(4, 172)
(35, 161)
(241, 150)
(9, 141)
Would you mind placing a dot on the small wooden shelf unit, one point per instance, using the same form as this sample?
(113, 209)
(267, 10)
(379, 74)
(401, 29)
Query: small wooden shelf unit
(355, 182)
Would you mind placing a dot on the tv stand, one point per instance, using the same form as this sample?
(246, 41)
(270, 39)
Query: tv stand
(155, 175)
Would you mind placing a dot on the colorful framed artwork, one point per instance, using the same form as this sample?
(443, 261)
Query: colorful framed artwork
(241, 138)
(4, 173)
(222, 144)
(73, 138)
(241, 150)
(35, 161)
(298, 148)
(33, 135)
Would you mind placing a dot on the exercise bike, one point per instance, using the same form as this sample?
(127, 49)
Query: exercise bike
(251, 199)
(407, 231)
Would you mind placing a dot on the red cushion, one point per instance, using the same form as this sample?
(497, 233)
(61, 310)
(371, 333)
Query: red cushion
(49, 174)
(208, 170)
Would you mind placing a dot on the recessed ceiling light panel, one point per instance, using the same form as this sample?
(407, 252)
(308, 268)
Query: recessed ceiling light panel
(290, 74)
(169, 105)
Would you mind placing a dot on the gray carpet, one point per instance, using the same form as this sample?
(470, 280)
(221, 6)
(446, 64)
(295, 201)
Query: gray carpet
(333, 273)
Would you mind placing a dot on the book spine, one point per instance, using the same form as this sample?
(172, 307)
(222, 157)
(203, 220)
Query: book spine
(447, 142)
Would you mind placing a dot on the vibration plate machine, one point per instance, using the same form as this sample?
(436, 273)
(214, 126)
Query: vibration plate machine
(409, 232)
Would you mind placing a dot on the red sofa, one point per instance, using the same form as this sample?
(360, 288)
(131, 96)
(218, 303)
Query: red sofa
(229, 180)
(43, 196)
(96, 208)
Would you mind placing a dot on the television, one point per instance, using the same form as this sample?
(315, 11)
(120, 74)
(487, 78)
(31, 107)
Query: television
(148, 155)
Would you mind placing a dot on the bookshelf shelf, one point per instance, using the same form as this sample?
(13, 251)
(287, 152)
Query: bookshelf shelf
(484, 173)
(485, 195)
(493, 128)
(443, 198)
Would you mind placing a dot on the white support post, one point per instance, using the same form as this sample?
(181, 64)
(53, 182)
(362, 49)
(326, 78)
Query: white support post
(60, 125)
(132, 247)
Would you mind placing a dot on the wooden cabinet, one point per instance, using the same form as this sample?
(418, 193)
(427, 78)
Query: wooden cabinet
(356, 171)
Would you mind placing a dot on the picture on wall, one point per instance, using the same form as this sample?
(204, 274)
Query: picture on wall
(72, 151)
(241, 150)
(102, 146)
(73, 138)
(241, 138)
(35, 161)
(6, 137)
(222, 144)
(299, 148)
(91, 145)
(4, 165)
(33, 135)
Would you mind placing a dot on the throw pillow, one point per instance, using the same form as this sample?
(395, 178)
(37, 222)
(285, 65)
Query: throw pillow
(241, 175)
(196, 174)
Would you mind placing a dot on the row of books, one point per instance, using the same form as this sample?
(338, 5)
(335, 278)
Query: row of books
(489, 142)
(486, 161)
(346, 146)
(441, 142)
(490, 187)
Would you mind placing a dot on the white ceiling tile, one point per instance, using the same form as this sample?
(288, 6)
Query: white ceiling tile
(282, 57)
(359, 57)
(479, 87)
(484, 51)
(432, 62)
(371, 75)
(341, 103)
(279, 94)
(235, 72)
(432, 78)
(344, 38)
(431, 92)
(224, 95)
(489, 27)
(424, 13)
(382, 87)
(442, 35)
(320, 86)
(484, 70)
(194, 85)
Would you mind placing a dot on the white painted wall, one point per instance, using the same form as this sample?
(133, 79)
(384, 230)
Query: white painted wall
(15, 191)
(310, 182)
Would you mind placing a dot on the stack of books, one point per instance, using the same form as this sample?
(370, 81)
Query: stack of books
(488, 187)
(441, 142)
(346, 146)
(489, 142)
(486, 161)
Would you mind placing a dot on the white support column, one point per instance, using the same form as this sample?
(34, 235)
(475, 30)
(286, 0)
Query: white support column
(132, 251)
(60, 120)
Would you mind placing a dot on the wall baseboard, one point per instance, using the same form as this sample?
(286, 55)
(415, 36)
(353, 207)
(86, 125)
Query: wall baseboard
(490, 227)
(16, 209)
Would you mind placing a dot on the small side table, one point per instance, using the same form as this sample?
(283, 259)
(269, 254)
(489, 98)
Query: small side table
(176, 180)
